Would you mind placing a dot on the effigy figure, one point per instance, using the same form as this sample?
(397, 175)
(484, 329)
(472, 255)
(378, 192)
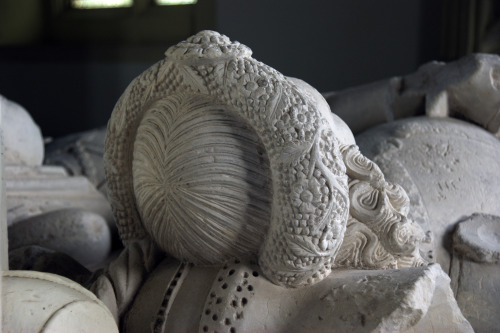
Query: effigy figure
(245, 205)
(231, 184)
(81, 155)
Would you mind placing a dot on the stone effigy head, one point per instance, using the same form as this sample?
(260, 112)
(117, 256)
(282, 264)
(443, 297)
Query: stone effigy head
(214, 155)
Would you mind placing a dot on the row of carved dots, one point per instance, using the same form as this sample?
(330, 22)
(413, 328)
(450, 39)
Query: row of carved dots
(236, 303)
(160, 317)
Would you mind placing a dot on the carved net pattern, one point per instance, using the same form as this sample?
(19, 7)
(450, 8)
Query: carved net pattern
(231, 293)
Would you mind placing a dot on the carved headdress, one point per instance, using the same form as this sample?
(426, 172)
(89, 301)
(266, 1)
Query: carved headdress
(214, 155)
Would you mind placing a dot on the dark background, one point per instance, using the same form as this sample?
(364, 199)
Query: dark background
(69, 67)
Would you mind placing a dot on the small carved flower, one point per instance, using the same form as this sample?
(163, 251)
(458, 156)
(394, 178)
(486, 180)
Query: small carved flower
(301, 118)
(307, 195)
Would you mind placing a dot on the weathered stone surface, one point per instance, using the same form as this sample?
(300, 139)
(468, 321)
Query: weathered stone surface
(347, 301)
(475, 272)
(469, 87)
(239, 299)
(81, 234)
(22, 139)
(36, 190)
(449, 169)
(478, 238)
(477, 288)
(42, 302)
(443, 315)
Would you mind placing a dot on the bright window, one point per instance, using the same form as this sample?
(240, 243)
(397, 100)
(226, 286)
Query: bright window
(175, 2)
(95, 4)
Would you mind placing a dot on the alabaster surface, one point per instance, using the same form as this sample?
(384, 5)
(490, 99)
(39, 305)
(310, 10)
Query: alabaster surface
(444, 314)
(237, 298)
(215, 155)
(478, 238)
(449, 168)
(475, 270)
(41, 302)
(21, 137)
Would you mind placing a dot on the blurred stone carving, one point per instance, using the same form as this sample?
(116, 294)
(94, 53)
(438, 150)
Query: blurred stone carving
(46, 206)
(37, 190)
(82, 234)
(22, 139)
(81, 155)
(469, 87)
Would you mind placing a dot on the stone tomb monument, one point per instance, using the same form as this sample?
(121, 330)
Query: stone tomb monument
(237, 192)
(245, 205)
